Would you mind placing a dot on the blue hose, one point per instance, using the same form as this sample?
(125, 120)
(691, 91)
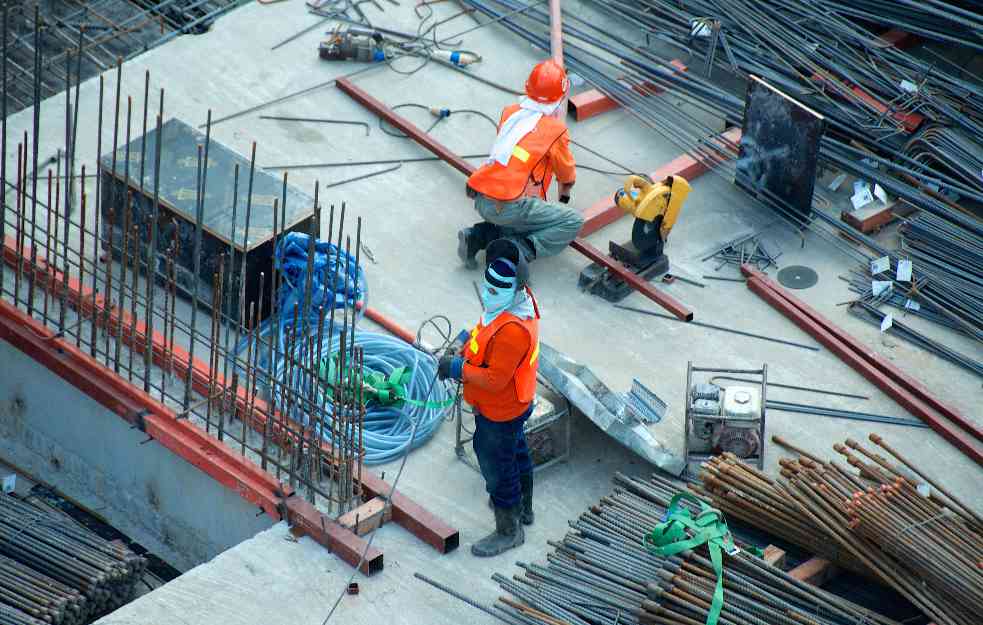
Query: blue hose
(388, 428)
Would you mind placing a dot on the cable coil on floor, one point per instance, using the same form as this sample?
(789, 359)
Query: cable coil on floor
(401, 372)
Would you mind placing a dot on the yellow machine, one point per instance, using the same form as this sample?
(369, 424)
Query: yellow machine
(655, 206)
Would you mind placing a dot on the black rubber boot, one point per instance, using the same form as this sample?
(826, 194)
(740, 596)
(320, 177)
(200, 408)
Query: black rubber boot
(526, 514)
(507, 535)
(472, 240)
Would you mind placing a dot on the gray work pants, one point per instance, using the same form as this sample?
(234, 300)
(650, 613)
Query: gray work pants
(549, 227)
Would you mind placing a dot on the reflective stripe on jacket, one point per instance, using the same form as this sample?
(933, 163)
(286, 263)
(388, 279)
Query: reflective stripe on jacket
(500, 406)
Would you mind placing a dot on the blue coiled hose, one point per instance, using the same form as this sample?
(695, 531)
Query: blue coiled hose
(387, 427)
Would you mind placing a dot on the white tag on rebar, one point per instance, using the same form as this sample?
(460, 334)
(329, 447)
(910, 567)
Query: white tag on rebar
(887, 322)
(699, 28)
(880, 265)
(912, 305)
(837, 181)
(880, 286)
(908, 86)
(904, 271)
(9, 483)
(861, 198)
(880, 193)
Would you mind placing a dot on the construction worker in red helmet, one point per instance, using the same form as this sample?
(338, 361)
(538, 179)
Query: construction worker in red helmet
(510, 188)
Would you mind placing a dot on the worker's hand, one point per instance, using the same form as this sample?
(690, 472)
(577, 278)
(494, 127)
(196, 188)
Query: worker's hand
(565, 189)
(450, 367)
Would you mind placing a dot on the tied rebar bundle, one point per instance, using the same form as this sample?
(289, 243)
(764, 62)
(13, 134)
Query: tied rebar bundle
(601, 574)
(53, 570)
(903, 526)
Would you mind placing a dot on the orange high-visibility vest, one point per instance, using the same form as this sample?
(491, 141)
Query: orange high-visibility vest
(476, 352)
(529, 172)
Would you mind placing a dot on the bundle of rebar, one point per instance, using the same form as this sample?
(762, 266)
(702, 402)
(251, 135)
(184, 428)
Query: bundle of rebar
(55, 571)
(600, 573)
(871, 93)
(744, 492)
(865, 311)
(903, 526)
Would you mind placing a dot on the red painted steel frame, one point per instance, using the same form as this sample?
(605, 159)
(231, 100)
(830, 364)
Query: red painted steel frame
(914, 397)
(593, 102)
(582, 246)
(180, 436)
(416, 519)
(605, 211)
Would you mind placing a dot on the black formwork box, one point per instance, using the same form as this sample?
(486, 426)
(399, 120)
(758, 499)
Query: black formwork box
(177, 199)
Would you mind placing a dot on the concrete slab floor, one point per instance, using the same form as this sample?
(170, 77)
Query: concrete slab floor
(411, 218)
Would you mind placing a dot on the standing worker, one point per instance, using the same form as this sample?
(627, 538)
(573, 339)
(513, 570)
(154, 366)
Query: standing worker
(497, 367)
(509, 189)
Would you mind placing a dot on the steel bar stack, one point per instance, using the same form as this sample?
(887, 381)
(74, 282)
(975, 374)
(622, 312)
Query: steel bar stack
(55, 571)
(744, 492)
(101, 278)
(98, 31)
(600, 574)
(874, 96)
(902, 525)
(865, 311)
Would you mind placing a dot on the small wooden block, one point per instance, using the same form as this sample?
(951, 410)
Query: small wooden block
(371, 515)
(774, 556)
(868, 220)
(815, 571)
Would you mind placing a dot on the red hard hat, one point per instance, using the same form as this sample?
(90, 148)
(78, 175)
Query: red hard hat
(547, 82)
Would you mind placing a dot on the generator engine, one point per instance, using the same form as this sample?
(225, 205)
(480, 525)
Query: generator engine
(724, 419)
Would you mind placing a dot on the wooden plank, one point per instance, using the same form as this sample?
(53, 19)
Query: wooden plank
(774, 556)
(815, 571)
(367, 517)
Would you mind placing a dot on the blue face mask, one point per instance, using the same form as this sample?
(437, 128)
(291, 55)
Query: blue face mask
(495, 300)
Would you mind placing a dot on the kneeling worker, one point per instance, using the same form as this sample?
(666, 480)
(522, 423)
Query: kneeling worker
(510, 187)
(498, 371)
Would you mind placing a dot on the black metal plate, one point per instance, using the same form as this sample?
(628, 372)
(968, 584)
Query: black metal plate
(798, 277)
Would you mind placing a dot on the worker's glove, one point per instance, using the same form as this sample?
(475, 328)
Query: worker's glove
(565, 189)
(457, 346)
(450, 367)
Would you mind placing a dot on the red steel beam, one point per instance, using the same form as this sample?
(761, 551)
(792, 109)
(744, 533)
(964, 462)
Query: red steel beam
(605, 212)
(179, 436)
(882, 364)
(908, 393)
(641, 285)
(398, 121)
(591, 103)
(416, 519)
(582, 246)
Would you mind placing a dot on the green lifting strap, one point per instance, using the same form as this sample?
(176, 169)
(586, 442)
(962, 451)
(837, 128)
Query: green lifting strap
(670, 537)
(385, 390)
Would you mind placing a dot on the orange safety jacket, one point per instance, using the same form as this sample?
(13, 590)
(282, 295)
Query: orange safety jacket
(511, 402)
(530, 169)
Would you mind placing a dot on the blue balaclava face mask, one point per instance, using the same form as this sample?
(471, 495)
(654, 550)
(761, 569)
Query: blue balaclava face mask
(499, 289)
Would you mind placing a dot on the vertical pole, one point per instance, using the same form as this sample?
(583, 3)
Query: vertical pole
(36, 119)
(152, 255)
(3, 144)
(194, 293)
(556, 48)
(95, 224)
(227, 303)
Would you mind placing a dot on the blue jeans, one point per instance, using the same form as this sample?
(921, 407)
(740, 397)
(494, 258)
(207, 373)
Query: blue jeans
(502, 456)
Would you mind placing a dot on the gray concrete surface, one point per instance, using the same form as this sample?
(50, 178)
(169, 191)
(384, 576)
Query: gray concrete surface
(55, 433)
(411, 218)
